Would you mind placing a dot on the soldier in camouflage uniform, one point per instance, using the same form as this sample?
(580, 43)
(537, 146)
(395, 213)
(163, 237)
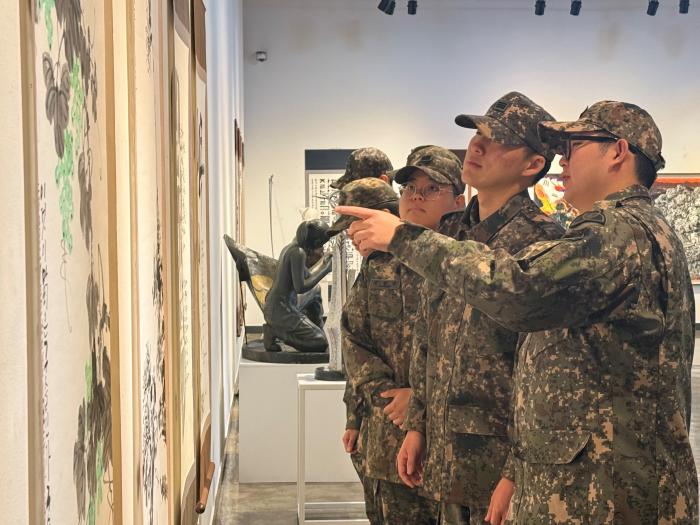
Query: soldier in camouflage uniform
(462, 364)
(363, 163)
(377, 325)
(602, 380)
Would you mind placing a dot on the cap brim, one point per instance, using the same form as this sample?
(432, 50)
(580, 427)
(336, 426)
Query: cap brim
(341, 223)
(553, 133)
(489, 128)
(340, 182)
(402, 175)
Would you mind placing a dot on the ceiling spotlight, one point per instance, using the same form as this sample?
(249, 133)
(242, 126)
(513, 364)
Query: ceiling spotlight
(387, 6)
(653, 6)
(539, 7)
(683, 7)
(575, 7)
(412, 6)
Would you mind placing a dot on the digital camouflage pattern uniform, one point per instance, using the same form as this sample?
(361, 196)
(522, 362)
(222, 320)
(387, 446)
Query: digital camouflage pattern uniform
(602, 380)
(461, 370)
(370, 192)
(363, 163)
(377, 324)
(462, 365)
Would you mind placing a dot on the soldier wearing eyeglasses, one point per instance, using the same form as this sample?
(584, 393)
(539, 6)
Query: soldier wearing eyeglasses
(378, 321)
(602, 381)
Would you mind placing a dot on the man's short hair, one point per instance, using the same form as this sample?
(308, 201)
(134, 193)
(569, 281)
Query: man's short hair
(645, 170)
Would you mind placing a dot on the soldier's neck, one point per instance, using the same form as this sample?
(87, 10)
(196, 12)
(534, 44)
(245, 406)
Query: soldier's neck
(491, 200)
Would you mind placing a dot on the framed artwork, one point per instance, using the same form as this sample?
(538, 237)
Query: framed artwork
(78, 402)
(147, 95)
(678, 198)
(200, 194)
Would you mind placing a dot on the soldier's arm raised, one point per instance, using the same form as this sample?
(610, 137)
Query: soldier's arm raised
(590, 273)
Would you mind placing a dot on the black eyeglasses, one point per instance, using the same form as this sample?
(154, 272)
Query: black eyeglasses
(593, 138)
(590, 138)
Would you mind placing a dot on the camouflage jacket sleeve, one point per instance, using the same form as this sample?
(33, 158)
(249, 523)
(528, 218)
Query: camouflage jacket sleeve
(415, 413)
(587, 275)
(353, 408)
(367, 372)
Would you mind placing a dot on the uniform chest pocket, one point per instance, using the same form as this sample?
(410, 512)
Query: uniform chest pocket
(384, 299)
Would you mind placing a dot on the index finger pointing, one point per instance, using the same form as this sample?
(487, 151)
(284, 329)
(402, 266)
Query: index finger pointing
(356, 211)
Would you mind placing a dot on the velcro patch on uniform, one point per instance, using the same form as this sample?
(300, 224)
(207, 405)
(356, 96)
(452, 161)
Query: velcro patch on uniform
(499, 106)
(595, 216)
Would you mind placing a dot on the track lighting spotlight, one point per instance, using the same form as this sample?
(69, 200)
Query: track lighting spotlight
(683, 7)
(539, 7)
(575, 7)
(412, 6)
(653, 6)
(387, 6)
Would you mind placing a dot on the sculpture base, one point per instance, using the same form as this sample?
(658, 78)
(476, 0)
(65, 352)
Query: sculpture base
(255, 351)
(323, 373)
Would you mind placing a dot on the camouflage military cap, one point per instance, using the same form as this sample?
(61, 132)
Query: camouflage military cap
(621, 119)
(362, 163)
(512, 120)
(368, 193)
(440, 164)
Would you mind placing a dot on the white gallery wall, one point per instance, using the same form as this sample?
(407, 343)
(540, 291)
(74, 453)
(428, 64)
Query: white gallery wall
(341, 74)
(224, 94)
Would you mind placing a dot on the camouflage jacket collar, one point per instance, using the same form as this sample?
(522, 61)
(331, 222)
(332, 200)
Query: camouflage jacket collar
(636, 191)
(483, 231)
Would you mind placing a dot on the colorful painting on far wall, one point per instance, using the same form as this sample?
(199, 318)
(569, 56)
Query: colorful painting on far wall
(678, 198)
(548, 194)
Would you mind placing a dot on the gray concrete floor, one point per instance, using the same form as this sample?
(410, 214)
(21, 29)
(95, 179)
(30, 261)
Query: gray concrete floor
(268, 503)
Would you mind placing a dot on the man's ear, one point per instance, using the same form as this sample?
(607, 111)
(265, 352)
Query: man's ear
(535, 163)
(621, 150)
(385, 178)
(460, 201)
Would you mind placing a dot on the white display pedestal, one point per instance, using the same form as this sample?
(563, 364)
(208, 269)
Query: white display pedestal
(268, 427)
(306, 384)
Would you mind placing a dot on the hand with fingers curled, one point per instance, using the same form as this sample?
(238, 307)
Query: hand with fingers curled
(395, 411)
(350, 440)
(410, 459)
(374, 230)
(500, 501)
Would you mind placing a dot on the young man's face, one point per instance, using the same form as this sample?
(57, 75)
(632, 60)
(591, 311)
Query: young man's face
(584, 174)
(490, 165)
(416, 208)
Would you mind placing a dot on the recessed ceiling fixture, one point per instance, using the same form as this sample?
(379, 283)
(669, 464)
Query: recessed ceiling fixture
(653, 6)
(387, 6)
(539, 7)
(575, 7)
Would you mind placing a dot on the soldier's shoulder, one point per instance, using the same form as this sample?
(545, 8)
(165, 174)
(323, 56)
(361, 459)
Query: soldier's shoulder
(536, 225)
(451, 223)
(606, 221)
(592, 218)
